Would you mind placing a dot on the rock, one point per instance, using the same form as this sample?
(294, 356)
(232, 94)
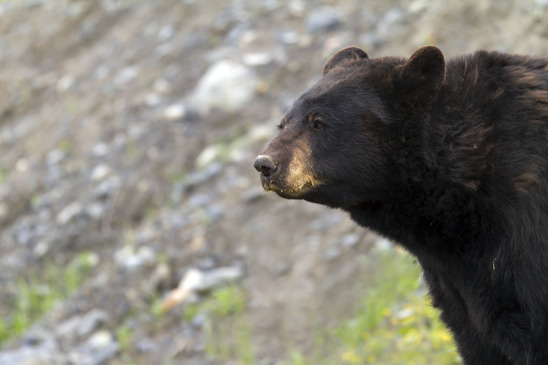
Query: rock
(174, 112)
(145, 345)
(388, 21)
(100, 172)
(152, 100)
(350, 240)
(323, 19)
(227, 86)
(257, 59)
(166, 33)
(252, 195)
(107, 187)
(38, 347)
(198, 281)
(65, 83)
(96, 210)
(69, 212)
(382, 244)
(208, 155)
(126, 75)
(194, 179)
(81, 325)
(55, 157)
(162, 86)
(288, 37)
(97, 350)
(160, 279)
(130, 258)
(100, 149)
(332, 253)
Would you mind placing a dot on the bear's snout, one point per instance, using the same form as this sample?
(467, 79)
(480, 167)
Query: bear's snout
(265, 165)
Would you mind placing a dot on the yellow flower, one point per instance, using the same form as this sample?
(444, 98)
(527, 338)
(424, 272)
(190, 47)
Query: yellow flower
(444, 335)
(350, 356)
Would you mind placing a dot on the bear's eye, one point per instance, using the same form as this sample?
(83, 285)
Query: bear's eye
(280, 126)
(318, 125)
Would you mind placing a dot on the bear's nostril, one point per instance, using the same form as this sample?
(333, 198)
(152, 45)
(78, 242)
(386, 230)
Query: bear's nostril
(265, 165)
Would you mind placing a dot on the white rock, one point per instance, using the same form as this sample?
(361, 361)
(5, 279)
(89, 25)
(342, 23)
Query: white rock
(131, 259)
(65, 83)
(257, 59)
(96, 210)
(196, 281)
(166, 33)
(174, 112)
(152, 100)
(22, 165)
(100, 172)
(100, 339)
(55, 156)
(227, 86)
(69, 212)
(126, 75)
(162, 86)
(81, 325)
(207, 156)
(100, 149)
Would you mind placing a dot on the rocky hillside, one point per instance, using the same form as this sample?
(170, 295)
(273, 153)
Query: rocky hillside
(127, 134)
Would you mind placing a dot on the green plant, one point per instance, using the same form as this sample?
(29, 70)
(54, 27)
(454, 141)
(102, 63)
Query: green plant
(227, 331)
(396, 323)
(123, 335)
(38, 293)
(296, 358)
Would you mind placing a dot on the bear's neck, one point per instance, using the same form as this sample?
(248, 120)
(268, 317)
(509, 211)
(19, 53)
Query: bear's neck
(436, 201)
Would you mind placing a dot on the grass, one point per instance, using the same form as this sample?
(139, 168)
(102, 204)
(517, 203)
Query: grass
(37, 294)
(227, 331)
(396, 323)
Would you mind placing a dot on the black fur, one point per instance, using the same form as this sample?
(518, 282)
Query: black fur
(451, 161)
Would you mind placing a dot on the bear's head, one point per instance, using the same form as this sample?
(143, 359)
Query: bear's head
(340, 143)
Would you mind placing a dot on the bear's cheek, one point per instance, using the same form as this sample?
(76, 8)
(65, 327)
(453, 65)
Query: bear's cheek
(300, 173)
(296, 175)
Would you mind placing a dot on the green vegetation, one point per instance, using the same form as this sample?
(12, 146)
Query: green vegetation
(396, 323)
(228, 335)
(37, 294)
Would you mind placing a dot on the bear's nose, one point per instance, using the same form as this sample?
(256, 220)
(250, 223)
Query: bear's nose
(265, 165)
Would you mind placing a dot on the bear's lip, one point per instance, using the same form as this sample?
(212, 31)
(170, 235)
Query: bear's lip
(285, 191)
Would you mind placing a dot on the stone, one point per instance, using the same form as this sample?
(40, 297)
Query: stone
(100, 172)
(199, 281)
(69, 212)
(174, 112)
(257, 59)
(81, 325)
(322, 20)
(227, 86)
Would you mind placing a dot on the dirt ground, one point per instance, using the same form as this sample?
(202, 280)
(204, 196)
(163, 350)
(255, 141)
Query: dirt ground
(128, 131)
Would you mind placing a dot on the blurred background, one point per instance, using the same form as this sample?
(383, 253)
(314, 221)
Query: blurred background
(133, 228)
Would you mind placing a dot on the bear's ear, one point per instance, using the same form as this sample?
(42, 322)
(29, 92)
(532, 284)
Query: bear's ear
(424, 74)
(343, 56)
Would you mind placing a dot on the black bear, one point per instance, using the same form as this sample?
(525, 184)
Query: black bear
(449, 159)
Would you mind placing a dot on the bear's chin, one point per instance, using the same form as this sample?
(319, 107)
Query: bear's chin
(288, 192)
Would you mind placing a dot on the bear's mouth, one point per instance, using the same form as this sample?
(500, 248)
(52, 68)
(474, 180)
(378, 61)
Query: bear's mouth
(286, 191)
